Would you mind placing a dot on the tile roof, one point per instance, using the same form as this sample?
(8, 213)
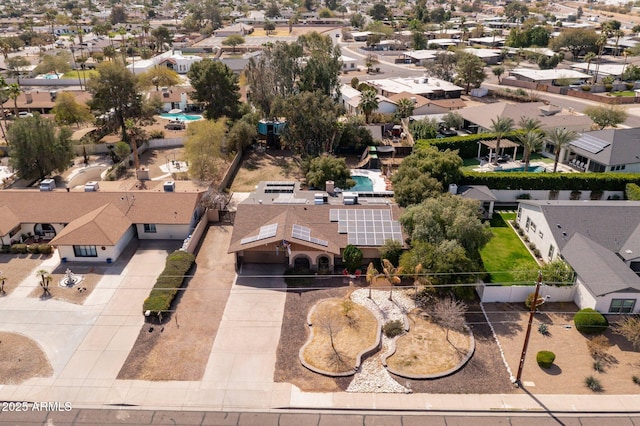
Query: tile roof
(8, 220)
(64, 207)
(102, 226)
(250, 217)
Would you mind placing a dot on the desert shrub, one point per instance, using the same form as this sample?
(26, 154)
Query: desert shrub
(586, 88)
(526, 238)
(169, 281)
(532, 246)
(5, 248)
(590, 321)
(298, 277)
(521, 232)
(393, 328)
(598, 346)
(593, 384)
(545, 359)
(598, 366)
(630, 86)
(636, 380)
(18, 249)
(156, 134)
(608, 87)
(32, 248)
(543, 329)
(45, 249)
(536, 252)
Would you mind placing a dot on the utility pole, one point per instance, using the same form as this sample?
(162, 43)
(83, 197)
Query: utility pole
(534, 305)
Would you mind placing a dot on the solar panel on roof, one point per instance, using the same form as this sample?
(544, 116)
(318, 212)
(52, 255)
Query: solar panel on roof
(590, 143)
(303, 233)
(265, 232)
(367, 227)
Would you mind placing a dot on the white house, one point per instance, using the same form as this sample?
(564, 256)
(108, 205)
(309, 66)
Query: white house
(172, 59)
(96, 226)
(600, 240)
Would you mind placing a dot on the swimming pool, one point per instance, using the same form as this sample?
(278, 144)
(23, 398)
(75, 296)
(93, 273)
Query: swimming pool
(532, 169)
(181, 116)
(363, 184)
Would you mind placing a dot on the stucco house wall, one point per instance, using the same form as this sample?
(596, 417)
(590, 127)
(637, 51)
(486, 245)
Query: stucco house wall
(66, 253)
(163, 232)
(538, 231)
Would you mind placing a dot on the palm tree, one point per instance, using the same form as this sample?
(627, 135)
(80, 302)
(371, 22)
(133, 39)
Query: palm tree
(372, 274)
(13, 91)
(501, 126)
(559, 138)
(392, 274)
(404, 107)
(368, 103)
(531, 141)
(529, 124)
(588, 58)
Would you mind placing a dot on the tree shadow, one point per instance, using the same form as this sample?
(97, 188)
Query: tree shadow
(506, 318)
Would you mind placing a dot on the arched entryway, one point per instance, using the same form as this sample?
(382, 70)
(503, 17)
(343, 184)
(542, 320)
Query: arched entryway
(324, 264)
(302, 262)
(44, 230)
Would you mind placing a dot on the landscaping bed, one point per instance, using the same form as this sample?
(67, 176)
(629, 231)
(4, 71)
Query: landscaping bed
(21, 359)
(16, 267)
(271, 165)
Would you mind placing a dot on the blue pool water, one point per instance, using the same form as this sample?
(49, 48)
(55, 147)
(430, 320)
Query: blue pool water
(181, 116)
(363, 184)
(532, 169)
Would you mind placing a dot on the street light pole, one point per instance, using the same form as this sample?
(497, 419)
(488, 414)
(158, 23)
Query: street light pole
(534, 305)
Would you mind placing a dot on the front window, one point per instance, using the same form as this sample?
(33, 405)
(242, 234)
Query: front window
(622, 306)
(551, 250)
(85, 251)
(150, 228)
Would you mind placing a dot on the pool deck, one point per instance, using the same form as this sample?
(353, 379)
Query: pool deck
(486, 166)
(377, 178)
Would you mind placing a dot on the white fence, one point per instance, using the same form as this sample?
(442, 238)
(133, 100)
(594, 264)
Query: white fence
(519, 293)
(509, 195)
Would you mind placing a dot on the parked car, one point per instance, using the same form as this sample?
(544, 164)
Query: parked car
(447, 133)
(24, 114)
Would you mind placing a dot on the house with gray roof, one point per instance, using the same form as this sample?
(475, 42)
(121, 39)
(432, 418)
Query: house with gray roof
(600, 240)
(610, 150)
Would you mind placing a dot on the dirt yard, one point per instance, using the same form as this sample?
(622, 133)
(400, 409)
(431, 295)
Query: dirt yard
(179, 348)
(263, 166)
(573, 361)
(20, 359)
(484, 373)
(16, 267)
(77, 294)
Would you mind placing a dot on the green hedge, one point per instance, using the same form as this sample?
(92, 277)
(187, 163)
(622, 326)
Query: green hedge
(467, 146)
(170, 280)
(18, 249)
(545, 359)
(590, 321)
(552, 181)
(45, 249)
(633, 192)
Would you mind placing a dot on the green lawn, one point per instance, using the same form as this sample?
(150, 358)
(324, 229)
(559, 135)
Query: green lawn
(468, 164)
(625, 93)
(84, 74)
(505, 251)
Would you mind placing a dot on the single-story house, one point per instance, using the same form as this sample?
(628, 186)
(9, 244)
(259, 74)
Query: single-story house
(175, 98)
(235, 29)
(549, 77)
(489, 56)
(351, 101)
(96, 226)
(424, 106)
(349, 63)
(429, 87)
(600, 240)
(550, 116)
(172, 59)
(609, 150)
(281, 224)
(42, 101)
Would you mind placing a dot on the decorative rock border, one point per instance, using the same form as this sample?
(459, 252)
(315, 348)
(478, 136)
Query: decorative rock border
(365, 352)
(445, 373)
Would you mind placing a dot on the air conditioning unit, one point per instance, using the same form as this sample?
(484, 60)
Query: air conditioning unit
(91, 186)
(47, 185)
(169, 186)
